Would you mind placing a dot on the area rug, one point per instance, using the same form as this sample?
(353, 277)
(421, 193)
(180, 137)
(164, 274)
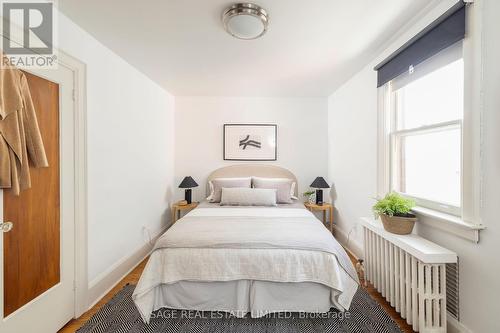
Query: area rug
(120, 316)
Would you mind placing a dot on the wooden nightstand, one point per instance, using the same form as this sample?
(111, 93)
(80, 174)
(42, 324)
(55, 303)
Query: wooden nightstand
(177, 208)
(324, 207)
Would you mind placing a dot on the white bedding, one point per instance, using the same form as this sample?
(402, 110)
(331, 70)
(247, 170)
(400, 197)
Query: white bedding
(246, 252)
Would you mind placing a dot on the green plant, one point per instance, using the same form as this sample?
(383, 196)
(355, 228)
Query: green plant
(393, 204)
(308, 193)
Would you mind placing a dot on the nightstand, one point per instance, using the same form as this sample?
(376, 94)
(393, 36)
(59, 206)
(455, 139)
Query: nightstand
(324, 208)
(177, 208)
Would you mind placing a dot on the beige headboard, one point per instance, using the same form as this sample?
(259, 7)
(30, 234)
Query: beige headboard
(256, 170)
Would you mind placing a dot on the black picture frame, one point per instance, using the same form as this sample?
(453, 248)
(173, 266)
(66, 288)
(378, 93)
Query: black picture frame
(250, 159)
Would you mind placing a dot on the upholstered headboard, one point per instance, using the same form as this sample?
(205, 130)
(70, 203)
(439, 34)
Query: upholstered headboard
(255, 170)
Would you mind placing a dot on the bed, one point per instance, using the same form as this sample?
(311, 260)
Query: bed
(247, 260)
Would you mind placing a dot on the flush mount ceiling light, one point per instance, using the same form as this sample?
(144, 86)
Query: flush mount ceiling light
(245, 21)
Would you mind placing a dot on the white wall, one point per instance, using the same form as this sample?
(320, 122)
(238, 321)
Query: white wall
(352, 153)
(130, 151)
(352, 127)
(302, 135)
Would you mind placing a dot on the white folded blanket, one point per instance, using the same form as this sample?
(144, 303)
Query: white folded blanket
(280, 245)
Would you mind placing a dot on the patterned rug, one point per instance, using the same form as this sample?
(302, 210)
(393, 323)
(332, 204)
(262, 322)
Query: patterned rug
(120, 316)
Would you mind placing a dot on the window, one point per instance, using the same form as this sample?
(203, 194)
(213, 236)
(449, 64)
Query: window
(429, 123)
(426, 108)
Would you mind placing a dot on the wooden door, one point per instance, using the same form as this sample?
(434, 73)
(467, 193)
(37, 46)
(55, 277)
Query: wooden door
(32, 247)
(37, 257)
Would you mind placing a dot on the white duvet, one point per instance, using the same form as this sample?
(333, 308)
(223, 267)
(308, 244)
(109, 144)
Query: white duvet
(246, 244)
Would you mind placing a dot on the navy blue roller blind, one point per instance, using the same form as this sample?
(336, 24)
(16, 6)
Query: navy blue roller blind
(445, 31)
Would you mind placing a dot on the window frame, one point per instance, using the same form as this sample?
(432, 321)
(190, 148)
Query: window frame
(396, 160)
(396, 151)
(390, 104)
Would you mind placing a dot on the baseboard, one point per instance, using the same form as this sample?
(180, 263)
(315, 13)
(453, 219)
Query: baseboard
(353, 247)
(454, 326)
(106, 281)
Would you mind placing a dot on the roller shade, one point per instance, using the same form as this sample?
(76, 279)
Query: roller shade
(440, 34)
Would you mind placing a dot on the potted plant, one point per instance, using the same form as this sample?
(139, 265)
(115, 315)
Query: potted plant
(309, 195)
(395, 212)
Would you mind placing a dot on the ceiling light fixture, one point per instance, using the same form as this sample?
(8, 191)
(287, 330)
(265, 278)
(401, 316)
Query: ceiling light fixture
(245, 21)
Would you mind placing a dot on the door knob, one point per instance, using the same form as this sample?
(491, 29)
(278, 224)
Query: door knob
(6, 226)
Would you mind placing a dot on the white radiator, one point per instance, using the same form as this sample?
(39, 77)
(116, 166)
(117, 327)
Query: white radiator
(410, 272)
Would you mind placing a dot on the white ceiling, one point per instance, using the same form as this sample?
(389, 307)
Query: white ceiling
(311, 46)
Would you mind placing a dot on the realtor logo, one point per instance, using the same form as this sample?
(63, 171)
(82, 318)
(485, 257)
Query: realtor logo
(28, 32)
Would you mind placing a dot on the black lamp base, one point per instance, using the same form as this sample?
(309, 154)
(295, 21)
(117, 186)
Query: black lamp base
(187, 195)
(319, 197)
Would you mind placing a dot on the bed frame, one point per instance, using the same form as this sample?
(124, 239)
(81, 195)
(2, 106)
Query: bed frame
(253, 170)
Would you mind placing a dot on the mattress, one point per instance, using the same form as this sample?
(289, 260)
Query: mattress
(247, 260)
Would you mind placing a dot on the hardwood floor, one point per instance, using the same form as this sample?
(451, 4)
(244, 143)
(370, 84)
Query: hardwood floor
(390, 310)
(133, 278)
(387, 307)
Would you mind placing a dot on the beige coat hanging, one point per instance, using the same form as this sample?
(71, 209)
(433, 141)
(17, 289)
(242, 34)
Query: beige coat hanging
(20, 138)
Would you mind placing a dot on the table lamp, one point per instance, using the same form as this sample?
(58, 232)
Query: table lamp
(188, 183)
(319, 184)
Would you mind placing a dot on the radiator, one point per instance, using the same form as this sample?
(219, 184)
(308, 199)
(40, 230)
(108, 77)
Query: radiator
(410, 272)
(452, 295)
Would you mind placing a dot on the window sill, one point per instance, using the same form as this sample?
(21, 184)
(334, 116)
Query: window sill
(449, 223)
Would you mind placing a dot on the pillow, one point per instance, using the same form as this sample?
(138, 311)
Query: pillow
(292, 191)
(285, 187)
(217, 184)
(238, 196)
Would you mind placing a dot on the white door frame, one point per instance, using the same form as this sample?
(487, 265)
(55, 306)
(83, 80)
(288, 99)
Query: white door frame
(80, 153)
(79, 70)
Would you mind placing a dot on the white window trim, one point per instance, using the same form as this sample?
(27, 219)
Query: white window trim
(469, 223)
(394, 154)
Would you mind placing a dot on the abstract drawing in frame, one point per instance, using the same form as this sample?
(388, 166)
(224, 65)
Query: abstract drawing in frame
(250, 142)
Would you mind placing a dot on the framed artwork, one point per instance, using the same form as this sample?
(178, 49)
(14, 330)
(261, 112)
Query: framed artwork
(250, 142)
